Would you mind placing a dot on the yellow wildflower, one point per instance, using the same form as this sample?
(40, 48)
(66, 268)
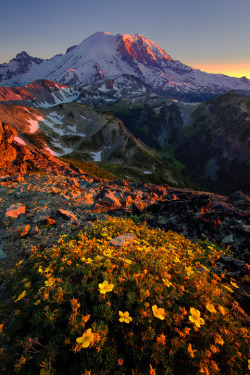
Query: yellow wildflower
(158, 312)
(128, 261)
(210, 307)
(23, 294)
(234, 284)
(229, 289)
(105, 287)
(195, 317)
(86, 338)
(222, 310)
(248, 364)
(167, 282)
(98, 257)
(189, 270)
(50, 281)
(124, 317)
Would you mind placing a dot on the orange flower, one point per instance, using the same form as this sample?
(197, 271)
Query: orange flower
(191, 351)
(161, 339)
(219, 340)
(152, 371)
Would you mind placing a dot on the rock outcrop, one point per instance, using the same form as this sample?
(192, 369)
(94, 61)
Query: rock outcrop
(16, 158)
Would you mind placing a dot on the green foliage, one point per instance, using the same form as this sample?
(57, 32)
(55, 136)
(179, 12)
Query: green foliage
(38, 139)
(71, 139)
(91, 169)
(87, 307)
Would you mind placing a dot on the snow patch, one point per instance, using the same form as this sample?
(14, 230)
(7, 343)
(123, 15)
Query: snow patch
(50, 151)
(97, 156)
(66, 150)
(52, 126)
(34, 124)
(72, 128)
(19, 140)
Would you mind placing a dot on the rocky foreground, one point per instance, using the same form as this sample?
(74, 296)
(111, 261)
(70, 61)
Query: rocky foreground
(37, 209)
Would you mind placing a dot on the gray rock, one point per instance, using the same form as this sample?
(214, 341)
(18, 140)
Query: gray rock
(2, 254)
(42, 214)
(228, 239)
(122, 239)
(33, 230)
(21, 230)
(68, 215)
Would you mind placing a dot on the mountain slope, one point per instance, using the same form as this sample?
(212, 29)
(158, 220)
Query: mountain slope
(208, 142)
(217, 143)
(43, 93)
(86, 134)
(103, 55)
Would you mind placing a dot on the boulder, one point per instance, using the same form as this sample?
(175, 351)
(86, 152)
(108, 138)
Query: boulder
(15, 210)
(42, 214)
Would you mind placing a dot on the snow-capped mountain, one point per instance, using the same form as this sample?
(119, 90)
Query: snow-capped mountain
(21, 64)
(105, 56)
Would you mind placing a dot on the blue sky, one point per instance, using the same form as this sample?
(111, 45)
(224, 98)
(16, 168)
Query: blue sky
(196, 32)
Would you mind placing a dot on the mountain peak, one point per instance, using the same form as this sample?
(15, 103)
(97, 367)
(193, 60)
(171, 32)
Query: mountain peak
(23, 54)
(144, 50)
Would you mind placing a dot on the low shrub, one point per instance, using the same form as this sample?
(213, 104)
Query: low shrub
(151, 306)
